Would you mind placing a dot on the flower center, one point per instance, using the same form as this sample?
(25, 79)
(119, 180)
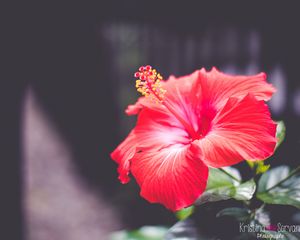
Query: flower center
(149, 85)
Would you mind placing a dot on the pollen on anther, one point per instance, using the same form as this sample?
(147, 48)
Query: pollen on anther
(137, 74)
(148, 68)
(148, 83)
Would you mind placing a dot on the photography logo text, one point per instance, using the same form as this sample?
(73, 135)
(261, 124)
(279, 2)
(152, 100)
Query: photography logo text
(268, 232)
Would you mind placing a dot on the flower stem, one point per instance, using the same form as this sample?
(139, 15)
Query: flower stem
(292, 173)
(230, 175)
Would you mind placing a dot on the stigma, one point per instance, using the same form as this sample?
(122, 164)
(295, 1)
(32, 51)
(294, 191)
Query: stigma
(149, 83)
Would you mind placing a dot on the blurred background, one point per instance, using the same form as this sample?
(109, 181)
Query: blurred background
(68, 76)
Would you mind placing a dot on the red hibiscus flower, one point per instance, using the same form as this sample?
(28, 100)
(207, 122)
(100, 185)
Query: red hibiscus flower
(189, 123)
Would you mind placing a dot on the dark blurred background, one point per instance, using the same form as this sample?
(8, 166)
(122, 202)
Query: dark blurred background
(68, 76)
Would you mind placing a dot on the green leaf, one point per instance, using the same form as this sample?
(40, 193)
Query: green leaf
(245, 191)
(185, 213)
(225, 184)
(185, 230)
(240, 214)
(218, 177)
(144, 233)
(280, 186)
(280, 133)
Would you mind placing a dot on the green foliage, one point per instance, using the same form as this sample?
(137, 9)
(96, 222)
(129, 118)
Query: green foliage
(240, 214)
(280, 133)
(185, 229)
(185, 213)
(225, 184)
(280, 186)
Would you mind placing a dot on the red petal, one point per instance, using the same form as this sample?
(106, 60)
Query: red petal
(242, 130)
(155, 129)
(123, 154)
(140, 104)
(217, 87)
(181, 95)
(166, 168)
(159, 129)
(173, 176)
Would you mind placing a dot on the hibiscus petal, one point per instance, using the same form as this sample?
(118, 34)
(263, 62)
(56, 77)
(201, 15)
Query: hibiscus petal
(182, 96)
(142, 102)
(173, 176)
(217, 87)
(159, 129)
(156, 128)
(123, 154)
(243, 129)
